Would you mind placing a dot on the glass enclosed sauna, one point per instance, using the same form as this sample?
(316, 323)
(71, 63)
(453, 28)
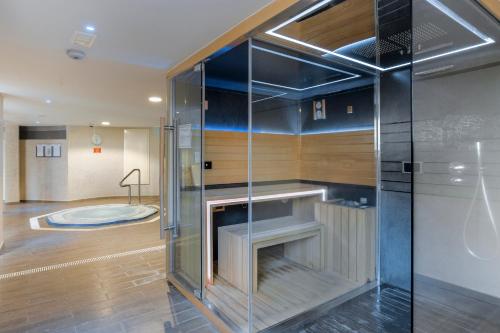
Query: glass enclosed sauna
(289, 166)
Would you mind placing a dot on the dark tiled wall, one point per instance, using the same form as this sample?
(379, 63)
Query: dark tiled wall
(228, 110)
(395, 197)
(337, 118)
(395, 213)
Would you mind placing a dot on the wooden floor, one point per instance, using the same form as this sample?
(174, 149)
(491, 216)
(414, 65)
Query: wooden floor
(116, 293)
(285, 289)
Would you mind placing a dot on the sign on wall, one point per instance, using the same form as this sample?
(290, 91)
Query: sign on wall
(48, 150)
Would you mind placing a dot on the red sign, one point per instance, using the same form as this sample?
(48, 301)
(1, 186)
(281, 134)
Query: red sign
(97, 150)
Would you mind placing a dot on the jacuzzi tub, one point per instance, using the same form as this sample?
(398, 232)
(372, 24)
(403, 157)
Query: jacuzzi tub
(92, 216)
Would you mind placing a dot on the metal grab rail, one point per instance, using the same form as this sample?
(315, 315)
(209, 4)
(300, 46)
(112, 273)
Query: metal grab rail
(130, 185)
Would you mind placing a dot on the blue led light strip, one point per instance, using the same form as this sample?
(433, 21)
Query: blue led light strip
(445, 10)
(270, 97)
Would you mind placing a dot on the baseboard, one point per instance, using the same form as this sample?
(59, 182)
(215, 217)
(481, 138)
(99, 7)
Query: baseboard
(418, 278)
(12, 203)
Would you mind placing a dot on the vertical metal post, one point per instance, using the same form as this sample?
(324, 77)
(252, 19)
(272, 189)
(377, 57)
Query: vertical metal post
(202, 199)
(162, 178)
(250, 212)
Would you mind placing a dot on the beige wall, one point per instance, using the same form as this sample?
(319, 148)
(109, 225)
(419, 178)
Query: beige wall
(79, 173)
(94, 175)
(97, 175)
(11, 163)
(43, 178)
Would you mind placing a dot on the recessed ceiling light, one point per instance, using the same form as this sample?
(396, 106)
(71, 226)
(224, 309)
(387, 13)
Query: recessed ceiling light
(105, 123)
(155, 99)
(48, 101)
(37, 122)
(90, 28)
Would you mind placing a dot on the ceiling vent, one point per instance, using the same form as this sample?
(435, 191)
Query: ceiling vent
(83, 39)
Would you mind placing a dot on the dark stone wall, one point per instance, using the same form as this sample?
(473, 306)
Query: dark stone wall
(395, 219)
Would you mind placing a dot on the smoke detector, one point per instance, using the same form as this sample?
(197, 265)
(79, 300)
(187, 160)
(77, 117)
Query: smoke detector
(83, 39)
(75, 54)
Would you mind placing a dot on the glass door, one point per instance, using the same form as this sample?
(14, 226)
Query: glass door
(185, 191)
(455, 105)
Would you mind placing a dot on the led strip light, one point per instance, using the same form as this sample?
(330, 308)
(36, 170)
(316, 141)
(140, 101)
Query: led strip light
(270, 97)
(438, 5)
(211, 203)
(284, 55)
(278, 94)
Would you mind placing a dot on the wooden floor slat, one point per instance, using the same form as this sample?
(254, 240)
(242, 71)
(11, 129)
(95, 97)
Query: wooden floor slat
(285, 289)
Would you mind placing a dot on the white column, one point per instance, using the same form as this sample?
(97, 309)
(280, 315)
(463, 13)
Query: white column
(11, 163)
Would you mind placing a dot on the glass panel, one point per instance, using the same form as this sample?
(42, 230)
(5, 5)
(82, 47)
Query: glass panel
(313, 179)
(456, 188)
(226, 190)
(186, 236)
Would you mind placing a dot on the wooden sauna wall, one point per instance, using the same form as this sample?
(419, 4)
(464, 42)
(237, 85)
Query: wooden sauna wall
(275, 157)
(347, 158)
(351, 236)
(337, 157)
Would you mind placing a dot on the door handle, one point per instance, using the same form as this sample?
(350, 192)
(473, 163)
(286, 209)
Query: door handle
(164, 175)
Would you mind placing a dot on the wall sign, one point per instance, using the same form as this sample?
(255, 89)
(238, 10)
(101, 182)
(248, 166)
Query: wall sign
(48, 150)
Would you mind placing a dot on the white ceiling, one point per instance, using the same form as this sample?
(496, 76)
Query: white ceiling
(136, 42)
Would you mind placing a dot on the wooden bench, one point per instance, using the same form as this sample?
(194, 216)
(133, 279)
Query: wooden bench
(303, 243)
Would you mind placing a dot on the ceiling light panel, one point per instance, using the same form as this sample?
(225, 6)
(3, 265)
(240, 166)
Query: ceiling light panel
(155, 99)
(83, 39)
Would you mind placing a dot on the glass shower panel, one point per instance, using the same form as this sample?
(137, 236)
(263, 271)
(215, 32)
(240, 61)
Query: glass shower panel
(456, 103)
(313, 218)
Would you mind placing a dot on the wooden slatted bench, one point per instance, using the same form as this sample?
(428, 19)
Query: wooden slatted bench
(303, 243)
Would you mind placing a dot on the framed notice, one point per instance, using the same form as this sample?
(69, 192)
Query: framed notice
(48, 150)
(56, 150)
(40, 151)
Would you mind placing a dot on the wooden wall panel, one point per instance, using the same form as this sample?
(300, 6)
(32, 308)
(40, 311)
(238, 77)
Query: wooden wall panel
(275, 157)
(338, 157)
(346, 158)
(350, 248)
(493, 6)
(352, 21)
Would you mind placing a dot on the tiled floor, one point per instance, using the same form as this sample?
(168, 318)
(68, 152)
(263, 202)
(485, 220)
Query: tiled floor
(115, 294)
(436, 309)
(126, 291)
(381, 310)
